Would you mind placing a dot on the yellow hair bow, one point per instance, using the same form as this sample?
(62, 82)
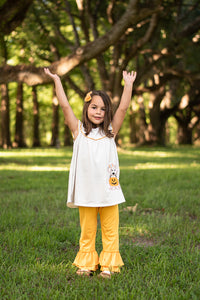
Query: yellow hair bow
(88, 97)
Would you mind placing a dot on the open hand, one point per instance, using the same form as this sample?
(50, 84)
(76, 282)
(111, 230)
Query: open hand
(48, 72)
(129, 77)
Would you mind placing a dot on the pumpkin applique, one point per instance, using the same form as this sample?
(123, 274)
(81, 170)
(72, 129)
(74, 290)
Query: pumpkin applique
(113, 181)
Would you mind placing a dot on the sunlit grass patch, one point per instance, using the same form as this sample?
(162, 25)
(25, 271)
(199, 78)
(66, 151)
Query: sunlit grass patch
(147, 165)
(34, 168)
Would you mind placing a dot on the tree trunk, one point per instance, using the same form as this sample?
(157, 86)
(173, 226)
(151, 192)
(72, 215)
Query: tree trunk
(36, 135)
(19, 134)
(67, 137)
(156, 129)
(142, 132)
(55, 122)
(133, 127)
(5, 117)
(197, 134)
(184, 132)
(184, 135)
(157, 120)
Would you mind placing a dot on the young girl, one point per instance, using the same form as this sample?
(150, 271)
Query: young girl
(94, 174)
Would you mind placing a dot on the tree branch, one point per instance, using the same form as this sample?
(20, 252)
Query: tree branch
(12, 13)
(32, 75)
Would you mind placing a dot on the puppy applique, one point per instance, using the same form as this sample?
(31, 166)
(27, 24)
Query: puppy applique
(113, 180)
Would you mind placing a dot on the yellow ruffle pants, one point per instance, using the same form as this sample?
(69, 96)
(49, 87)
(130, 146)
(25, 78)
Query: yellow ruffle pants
(87, 257)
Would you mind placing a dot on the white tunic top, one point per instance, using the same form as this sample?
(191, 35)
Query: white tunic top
(94, 171)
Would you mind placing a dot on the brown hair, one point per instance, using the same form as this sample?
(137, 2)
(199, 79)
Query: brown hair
(87, 124)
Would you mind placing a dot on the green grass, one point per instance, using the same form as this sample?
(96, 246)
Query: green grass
(159, 242)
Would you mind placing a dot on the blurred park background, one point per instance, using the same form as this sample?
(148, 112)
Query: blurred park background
(88, 43)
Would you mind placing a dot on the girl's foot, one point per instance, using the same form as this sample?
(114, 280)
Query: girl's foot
(84, 272)
(106, 274)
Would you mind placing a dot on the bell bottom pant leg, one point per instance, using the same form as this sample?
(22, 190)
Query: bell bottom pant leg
(87, 257)
(110, 258)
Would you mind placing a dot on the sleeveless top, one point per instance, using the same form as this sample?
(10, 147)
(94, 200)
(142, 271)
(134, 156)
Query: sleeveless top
(94, 171)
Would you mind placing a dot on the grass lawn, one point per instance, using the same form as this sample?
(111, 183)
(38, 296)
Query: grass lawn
(159, 227)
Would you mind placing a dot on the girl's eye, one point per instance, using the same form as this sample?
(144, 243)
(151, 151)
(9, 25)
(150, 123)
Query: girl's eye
(103, 109)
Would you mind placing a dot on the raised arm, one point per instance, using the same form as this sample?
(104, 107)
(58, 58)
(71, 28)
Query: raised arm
(119, 116)
(70, 119)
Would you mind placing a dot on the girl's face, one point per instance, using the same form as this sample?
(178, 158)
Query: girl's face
(96, 110)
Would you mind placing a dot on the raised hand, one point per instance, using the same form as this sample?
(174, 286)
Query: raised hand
(48, 72)
(129, 77)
